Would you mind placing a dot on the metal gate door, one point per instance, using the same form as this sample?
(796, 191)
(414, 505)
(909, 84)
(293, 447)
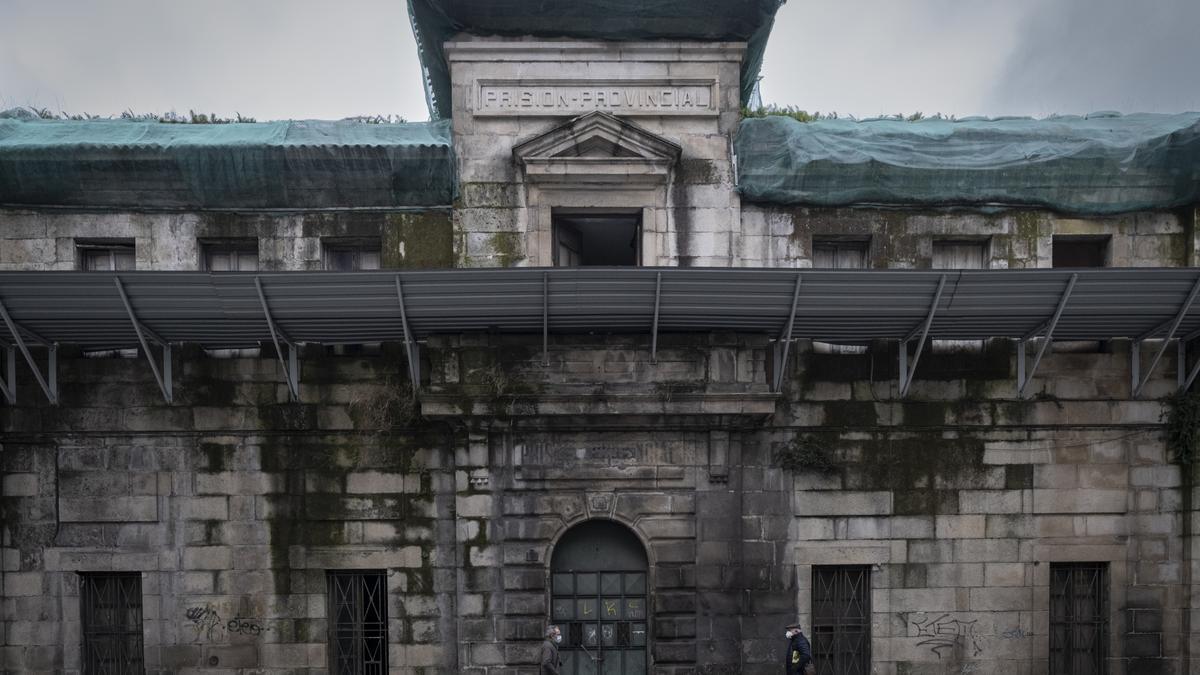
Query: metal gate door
(841, 611)
(1078, 618)
(603, 619)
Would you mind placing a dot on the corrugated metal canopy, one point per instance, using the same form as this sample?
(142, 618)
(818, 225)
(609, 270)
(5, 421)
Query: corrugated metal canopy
(224, 310)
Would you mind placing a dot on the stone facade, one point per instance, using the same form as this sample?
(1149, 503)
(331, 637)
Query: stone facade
(958, 499)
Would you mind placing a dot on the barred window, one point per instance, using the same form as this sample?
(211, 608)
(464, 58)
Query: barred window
(111, 615)
(1078, 618)
(358, 623)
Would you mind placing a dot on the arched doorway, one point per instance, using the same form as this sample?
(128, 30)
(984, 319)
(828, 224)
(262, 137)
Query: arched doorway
(598, 599)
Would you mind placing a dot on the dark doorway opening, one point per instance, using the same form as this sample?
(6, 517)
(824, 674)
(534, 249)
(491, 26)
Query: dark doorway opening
(599, 599)
(612, 239)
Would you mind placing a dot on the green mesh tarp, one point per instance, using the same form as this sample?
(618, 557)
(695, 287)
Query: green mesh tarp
(435, 21)
(1099, 164)
(298, 164)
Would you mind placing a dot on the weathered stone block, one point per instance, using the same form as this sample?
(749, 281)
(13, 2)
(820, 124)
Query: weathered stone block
(109, 509)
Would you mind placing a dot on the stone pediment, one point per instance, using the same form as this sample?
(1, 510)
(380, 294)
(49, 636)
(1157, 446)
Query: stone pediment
(597, 147)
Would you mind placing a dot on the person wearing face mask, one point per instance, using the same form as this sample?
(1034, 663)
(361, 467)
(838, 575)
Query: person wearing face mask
(798, 658)
(550, 661)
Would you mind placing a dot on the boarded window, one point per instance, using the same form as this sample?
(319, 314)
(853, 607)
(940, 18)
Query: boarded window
(230, 256)
(839, 254)
(111, 623)
(351, 255)
(1078, 618)
(358, 623)
(105, 256)
(958, 255)
(841, 616)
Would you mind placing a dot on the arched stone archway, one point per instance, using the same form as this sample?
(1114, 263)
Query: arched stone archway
(599, 582)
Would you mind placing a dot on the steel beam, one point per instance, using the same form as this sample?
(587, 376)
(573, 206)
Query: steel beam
(290, 367)
(49, 383)
(163, 377)
(907, 372)
(1023, 379)
(8, 384)
(786, 338)
(654, 326)
(410, 345)
(1139, 383)
(1186, 382)
(545, 318)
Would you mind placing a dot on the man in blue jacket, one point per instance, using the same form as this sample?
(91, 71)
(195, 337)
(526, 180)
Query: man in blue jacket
(798, 656)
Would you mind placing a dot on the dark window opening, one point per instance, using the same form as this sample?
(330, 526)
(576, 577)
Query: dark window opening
(1078, 618)
(358, 623)
(841, 616)
(110, 255)
(1080, 251)
(111, 623)
(597, 239)
(235, 255)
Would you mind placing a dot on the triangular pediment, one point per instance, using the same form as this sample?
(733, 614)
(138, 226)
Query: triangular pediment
(597, 135)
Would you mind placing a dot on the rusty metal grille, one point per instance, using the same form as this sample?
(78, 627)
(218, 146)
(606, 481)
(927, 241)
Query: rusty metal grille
(111, 617)
(841, 611)
(358, 623)
(1078, 618)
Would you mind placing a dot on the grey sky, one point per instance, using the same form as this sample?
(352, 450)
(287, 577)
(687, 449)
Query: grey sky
(274, 59)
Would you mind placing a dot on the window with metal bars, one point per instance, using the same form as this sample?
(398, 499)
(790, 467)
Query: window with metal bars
(841, 616)
(111, 617)
(358, 623)
(1078, 618)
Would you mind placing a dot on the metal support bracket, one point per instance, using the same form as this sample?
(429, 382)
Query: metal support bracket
(1024, 379)
(1185, 381)
(908, 371)
(8, 384)
(654, 326)
(545, 318)
(784, 344)
(48, 382)
(163, 376)
(291, 366)
(410, 346)
(1138, 380)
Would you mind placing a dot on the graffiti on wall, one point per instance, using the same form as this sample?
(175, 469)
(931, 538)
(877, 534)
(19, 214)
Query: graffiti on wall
(209, 626)
(942, 633)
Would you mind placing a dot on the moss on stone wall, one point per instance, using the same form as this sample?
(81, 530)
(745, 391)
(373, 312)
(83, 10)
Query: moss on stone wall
(507, 248)
(418, 240)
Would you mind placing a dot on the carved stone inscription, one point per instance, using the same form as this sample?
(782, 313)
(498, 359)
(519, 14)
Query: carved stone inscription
(564, 453)
(626, 97)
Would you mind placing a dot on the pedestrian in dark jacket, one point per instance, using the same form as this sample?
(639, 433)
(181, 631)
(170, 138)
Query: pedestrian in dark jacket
(799, 653)
(550, 661)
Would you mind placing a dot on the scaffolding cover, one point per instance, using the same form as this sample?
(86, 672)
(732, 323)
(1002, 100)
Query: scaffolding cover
(1099, 164)
(436, 21)
(293, 164)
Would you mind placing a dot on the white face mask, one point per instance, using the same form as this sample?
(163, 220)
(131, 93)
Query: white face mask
(558, 638)
(788, 634)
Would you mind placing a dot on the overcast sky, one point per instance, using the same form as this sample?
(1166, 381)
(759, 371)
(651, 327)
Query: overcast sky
(274, 59)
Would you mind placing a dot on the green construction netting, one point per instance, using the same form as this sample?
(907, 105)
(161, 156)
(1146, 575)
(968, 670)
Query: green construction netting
(1098, 164)
(296, 164)
(435, 21)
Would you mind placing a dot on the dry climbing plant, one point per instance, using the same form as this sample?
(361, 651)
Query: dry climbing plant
(803, 453)
(1182, 418)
